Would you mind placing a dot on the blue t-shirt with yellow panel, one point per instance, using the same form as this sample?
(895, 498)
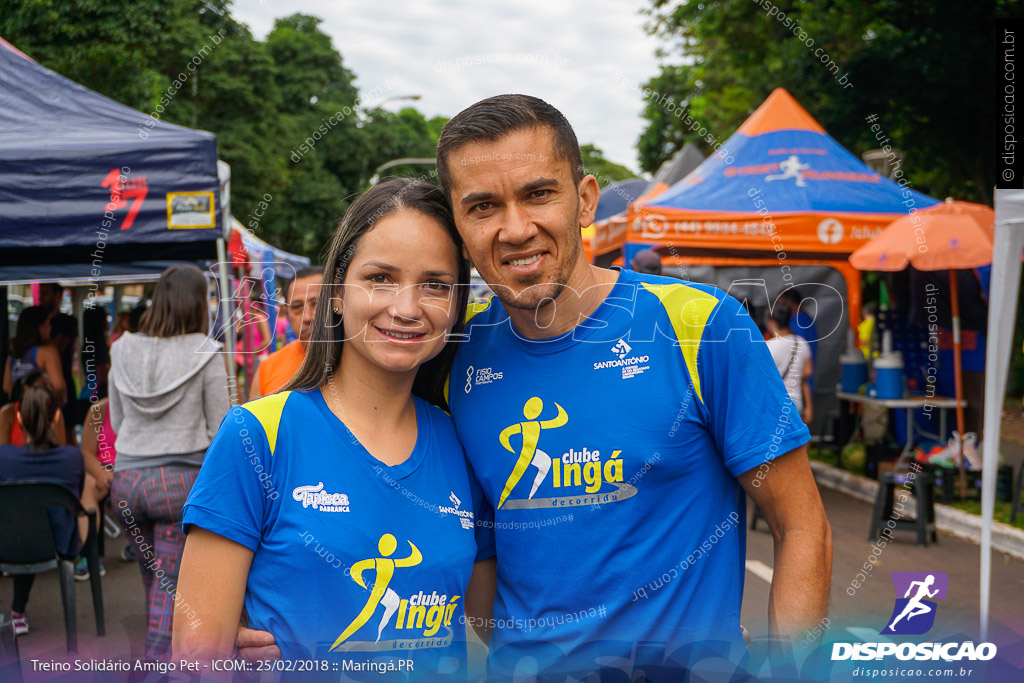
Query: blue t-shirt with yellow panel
(610, 455)
(355, 563)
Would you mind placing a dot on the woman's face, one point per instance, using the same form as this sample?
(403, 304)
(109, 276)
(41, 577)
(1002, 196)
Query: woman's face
(398, 297)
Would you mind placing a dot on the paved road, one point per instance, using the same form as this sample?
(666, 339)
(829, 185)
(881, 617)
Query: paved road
(868, 608)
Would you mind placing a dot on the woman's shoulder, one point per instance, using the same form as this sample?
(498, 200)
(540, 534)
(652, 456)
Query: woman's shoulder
(435, 411)
(69, 453)
(46, 351)
(273, 410)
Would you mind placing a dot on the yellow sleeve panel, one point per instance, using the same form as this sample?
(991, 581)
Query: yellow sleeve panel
(689, 310)
(475, 308)
(267, 410)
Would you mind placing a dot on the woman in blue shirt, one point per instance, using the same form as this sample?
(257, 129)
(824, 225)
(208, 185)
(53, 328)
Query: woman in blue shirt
(42, 458)
(341, 512)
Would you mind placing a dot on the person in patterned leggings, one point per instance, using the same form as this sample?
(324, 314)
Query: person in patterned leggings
(167, 396)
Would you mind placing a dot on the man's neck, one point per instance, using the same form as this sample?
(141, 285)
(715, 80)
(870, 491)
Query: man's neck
(587, 288)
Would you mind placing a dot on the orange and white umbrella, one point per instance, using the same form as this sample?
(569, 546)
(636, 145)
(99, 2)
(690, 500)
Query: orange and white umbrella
(948, 236)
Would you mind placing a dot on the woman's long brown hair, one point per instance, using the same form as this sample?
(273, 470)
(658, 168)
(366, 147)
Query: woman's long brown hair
(179, 304)
(323, 353)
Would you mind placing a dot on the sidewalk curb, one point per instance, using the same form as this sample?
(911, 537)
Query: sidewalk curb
(1005, 538)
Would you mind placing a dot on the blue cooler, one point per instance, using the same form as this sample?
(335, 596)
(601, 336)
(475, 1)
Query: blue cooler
(854, 371)
(889, 376)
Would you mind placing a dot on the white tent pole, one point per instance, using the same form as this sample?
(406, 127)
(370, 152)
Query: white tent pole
(1002, 309)
(227, 317)
(115, 303)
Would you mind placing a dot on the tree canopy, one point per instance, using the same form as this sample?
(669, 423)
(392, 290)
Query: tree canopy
(286, 110)
(926, 69)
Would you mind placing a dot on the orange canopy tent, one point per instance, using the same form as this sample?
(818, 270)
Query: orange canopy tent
(607, 234)
(779, 192)
(607, 237)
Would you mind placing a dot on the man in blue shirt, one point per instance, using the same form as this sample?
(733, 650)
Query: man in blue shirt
(642, 405)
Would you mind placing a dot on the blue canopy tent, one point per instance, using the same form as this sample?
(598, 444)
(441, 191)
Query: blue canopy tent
(617, 196)
(781, 169)
(92, 190)
(87, 181)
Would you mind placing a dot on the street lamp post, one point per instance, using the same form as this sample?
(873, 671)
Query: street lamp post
(404, 160)
(397, 97)
(399, 162)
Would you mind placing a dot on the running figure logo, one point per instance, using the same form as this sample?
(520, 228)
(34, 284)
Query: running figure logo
(914, 613)
(529, 454)
(791, 168)
(380, 594)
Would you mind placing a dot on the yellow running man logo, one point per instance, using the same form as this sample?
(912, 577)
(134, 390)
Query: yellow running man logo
(380, 593)
(529, 454)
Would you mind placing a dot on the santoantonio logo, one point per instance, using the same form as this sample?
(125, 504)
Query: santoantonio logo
(631, 365)
(576, 469)
(913, 614)
(465, 516)
(420, 614)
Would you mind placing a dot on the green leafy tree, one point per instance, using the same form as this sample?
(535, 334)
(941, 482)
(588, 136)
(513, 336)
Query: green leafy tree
(605, 171)
(110, 47)
(926, 69)
(403, 134)
(310, 76)
(319, 133)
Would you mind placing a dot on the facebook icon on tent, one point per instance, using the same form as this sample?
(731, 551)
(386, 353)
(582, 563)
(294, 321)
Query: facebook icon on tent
(914, 612)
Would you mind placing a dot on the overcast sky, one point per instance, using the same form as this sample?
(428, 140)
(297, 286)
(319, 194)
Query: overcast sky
(585, 58)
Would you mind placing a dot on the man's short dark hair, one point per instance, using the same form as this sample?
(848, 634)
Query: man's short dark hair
(782, 314)
(494, 118)
(305, 271)
(792, 295)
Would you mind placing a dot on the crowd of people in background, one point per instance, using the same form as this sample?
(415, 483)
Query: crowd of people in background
(123, 415)
(37, 426)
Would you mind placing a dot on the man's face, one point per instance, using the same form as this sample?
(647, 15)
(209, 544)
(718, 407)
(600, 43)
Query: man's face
(519, 213)
(50, 296)
(302, 305)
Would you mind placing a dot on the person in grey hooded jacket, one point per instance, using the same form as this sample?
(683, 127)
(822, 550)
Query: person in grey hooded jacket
(168, 391)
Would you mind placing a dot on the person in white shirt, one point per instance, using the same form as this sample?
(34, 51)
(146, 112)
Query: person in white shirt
(792, 356)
